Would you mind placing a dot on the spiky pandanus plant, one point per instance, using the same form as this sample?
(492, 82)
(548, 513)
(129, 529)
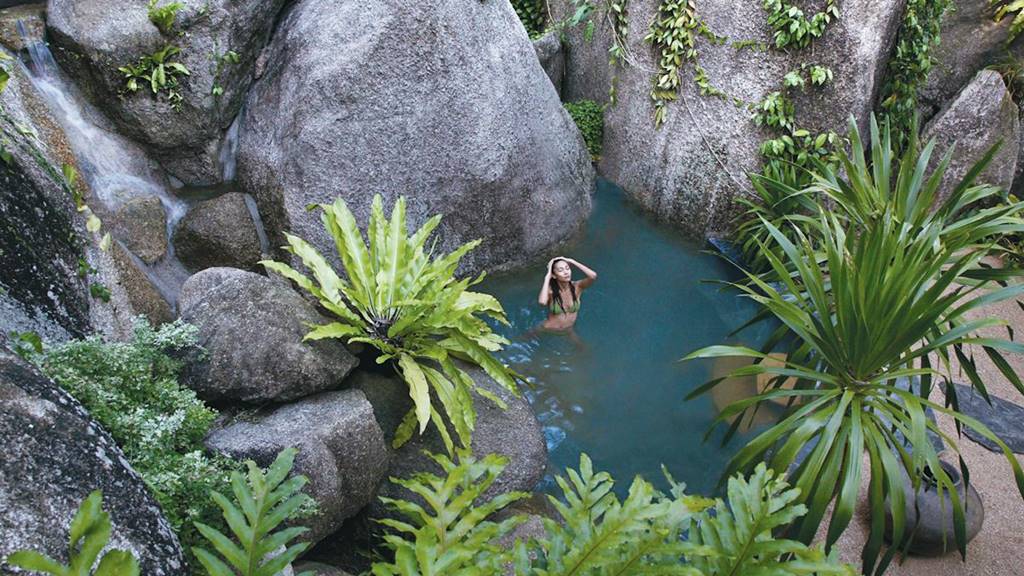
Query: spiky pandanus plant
(397, 297)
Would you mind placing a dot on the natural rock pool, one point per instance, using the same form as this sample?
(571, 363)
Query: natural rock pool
(616, 389)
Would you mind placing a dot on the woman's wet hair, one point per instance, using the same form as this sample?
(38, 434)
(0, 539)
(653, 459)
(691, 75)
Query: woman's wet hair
(555, 291)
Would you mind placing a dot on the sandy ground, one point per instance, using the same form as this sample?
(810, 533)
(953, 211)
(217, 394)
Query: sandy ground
(998, 549)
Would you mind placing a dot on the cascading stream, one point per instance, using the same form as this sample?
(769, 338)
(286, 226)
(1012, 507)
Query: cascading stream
(115, 169)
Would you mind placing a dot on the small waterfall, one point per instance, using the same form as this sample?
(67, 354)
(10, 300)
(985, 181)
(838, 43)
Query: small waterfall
(115, 168)
(228, 156)
(261, 233)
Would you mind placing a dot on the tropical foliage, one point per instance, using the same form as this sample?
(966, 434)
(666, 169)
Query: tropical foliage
(132, 389)
(397, 297)
(881, 290)
(263, 501)
(597, 533)
(533, 14)
(89, 534)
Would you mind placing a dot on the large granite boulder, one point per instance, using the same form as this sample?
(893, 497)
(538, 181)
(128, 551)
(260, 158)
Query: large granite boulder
(587, 75)
(341, 450)
(970, 41)
(252, 329)
(91, 39)
(690, 170)
(513, 432)
(41, 239)
(54, 456)
(442, 102)
(218, 232)
(982, 114)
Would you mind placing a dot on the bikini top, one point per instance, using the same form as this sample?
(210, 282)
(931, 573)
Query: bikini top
(556, 306)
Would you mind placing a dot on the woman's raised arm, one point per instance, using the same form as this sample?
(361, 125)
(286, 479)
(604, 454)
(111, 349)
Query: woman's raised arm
(545, 289)
(591, 275)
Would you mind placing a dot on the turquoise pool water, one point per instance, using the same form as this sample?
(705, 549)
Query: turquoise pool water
(615, 390)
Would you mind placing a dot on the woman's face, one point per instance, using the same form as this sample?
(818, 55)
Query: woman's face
(562, 271)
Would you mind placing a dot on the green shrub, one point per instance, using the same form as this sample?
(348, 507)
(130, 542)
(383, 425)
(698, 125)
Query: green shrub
(396, 296)
(132, 390)
(160, 72)
(89, 534)
(589, 118)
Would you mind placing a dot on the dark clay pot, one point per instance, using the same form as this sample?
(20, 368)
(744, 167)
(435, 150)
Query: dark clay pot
(933, 535)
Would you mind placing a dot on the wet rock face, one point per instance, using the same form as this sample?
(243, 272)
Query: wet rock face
(92, 38)
(141, 224)
(54, 456)
(341, 451)
(982, 114)
(218, 232)
(40, 244)
(33, 18)
(689, 171)
(472, 130)
(512, 432)
(252, 329)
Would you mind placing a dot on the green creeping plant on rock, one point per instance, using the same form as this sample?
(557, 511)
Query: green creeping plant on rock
(397, 297)
(90, 532)
(261, 504)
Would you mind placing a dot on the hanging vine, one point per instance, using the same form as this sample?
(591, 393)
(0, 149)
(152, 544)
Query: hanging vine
(791, 28)
(910, 64)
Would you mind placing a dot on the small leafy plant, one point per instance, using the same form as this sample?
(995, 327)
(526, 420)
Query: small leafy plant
(792, 28)
(163, 16)
(398, 298)
(99, 291)
(160, 71)
(90, 532)
(222, 61)
(262, 502)
(533, 15)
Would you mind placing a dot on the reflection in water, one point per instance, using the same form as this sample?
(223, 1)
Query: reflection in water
(616, 390)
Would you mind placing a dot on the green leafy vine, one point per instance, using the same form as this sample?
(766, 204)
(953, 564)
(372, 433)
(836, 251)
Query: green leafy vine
(792, 28)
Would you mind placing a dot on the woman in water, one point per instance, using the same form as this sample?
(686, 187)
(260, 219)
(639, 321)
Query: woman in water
(561, 295)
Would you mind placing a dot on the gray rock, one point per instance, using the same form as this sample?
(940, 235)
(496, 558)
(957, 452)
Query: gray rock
(252, 329)
(54, 456)
(690, 170)
(141, 224)
(33, 18)
(1003, 418)
(218, 232)
(552, 57)
(513, 432)
(92, 38)
(41, 237)
(143, 296)
(444, 103)
(341, 451)
(982, 114)
(971, 40)
(587, 75)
